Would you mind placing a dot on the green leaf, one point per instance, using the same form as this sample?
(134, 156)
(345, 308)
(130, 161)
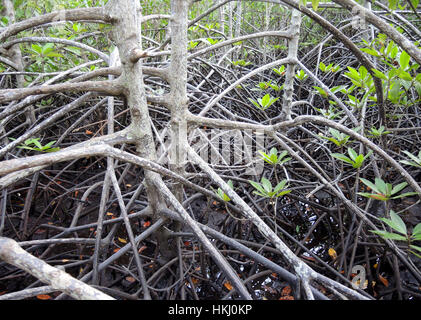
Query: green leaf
(266, 184)
(413, 157)
(398, 222)
(394, 92)
(315, 4)
(282, 193)
(406, 194)
(416, 254)
(415, 247)
(352, 153)
(368, 154)
(405, 75)
(265, 100)
(321, 91)
(265, 157)
(255, 103)
(389, 235)
(370, 185)
(374, 196)
(342, 157)
(381, 185)
(358, 161)
(417, 229)
(404, 60)
(417, 237)
(282, 154)
(370, 51)
(36, 48)
(280, 186)
(393, 4)
(257, 185)
(398, 187)
(37, 143)
(379, 74)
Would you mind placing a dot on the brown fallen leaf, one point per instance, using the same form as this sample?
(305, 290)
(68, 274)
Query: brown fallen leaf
(43, 297)
(286, 291)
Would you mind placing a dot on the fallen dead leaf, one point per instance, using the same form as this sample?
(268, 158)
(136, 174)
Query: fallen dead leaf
(228, 285)
(286, 291)
(384, 280)
(142, 248)
(43, 297)
(332, 253)
(122, 240)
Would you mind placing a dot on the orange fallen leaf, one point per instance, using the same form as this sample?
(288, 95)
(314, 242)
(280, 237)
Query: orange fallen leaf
(116, 250)
(65, 260)
(130, 279)
(43, 297)
(228, 285)
(308, 258)
(286, 298)
(142, 248)
(286, 291)
(194, 280)
(128, 185)
(384, 281)
(146, 224)
(109, 214)
(89, 132)
(274, 275)
(122, 240)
